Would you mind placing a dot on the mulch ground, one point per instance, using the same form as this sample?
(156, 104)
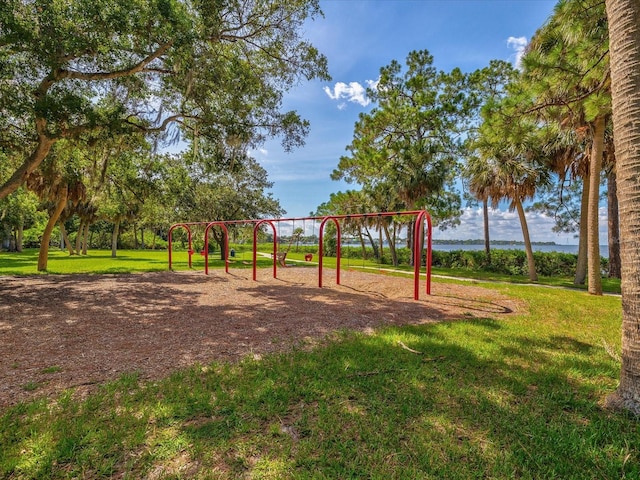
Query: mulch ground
(78, 331)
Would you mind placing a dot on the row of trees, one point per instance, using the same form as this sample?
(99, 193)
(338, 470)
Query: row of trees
(133, 187)
(505, 134)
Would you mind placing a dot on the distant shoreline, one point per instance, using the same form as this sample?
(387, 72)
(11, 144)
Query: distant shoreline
(493, 242)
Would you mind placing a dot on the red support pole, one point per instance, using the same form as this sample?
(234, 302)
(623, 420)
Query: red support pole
(429, 252)
(419, 234)
(418, 230)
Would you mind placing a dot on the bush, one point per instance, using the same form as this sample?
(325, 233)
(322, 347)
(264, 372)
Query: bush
(510, 262)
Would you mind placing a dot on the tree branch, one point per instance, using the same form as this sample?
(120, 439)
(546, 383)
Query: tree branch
(97, 76)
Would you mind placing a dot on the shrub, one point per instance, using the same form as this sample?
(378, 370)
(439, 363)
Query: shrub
(510, 262)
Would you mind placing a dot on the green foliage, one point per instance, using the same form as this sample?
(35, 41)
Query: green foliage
(405, 150)
(567, 64)
(95, 70)
(509, 262)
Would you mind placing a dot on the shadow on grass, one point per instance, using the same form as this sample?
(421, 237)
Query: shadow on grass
(364, 407)
(478, 398)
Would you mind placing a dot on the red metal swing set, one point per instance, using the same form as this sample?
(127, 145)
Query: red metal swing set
(420, 233)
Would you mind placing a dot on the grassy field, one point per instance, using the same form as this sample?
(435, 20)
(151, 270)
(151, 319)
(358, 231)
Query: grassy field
(473, 398)
(133, 261)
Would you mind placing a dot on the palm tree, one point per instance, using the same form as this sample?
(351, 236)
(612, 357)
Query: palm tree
(567, 70)
(624, 34)
(480, 178)
(297, 234)
(508, 177)
(509, 164)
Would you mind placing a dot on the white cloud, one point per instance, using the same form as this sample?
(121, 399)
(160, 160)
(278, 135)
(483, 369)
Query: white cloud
(352, 92)
(505, 225)
(518, 44)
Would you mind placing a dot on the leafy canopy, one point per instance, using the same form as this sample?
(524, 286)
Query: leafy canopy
(175, 68)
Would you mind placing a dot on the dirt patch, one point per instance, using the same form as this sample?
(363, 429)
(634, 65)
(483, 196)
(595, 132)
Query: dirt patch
(58, 332)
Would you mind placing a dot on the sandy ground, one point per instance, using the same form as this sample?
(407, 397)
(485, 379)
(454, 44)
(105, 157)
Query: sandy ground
(78, 331)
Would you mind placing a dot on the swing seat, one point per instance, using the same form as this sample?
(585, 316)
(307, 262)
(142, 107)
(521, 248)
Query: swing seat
(281, 257)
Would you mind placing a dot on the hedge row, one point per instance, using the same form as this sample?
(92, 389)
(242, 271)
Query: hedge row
(510, 262)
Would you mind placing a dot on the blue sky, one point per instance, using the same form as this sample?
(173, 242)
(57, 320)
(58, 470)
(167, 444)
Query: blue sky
(361, 36)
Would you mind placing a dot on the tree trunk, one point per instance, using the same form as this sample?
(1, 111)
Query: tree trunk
(581, 267)
(593, 237)
(614, 225)
(374, 246)
(485, 216)
(85, 239)
(30, 164)
(20, 237)
(363, 245)
(624, 39)
(533, 276)
(79, 236)
(410, 241)
(43, 255)
(114, 238)
(392, 246)
(65, 238)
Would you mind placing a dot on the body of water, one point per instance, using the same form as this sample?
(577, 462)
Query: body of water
(447, 247)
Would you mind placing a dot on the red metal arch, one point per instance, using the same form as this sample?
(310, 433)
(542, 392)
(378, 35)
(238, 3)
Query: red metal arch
(320, 249)
(190, 251)
(422, 238)
(255, 248)
(206, 246)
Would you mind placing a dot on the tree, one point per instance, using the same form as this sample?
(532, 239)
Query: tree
(411, 139)
(83, 68)
(17, 212)
(567, 68)
(489, 85)
(218, 195)
(509, 165)
(59, 184)
(624, 35)
(480, 181)
(349, 203)
(297, 234)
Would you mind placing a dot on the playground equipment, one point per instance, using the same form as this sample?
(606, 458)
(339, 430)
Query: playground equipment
(421, 237)
(282, 254)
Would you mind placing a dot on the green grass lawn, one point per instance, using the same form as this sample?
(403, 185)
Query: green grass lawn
(132, 261)
(126, 261)
(475, 398)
